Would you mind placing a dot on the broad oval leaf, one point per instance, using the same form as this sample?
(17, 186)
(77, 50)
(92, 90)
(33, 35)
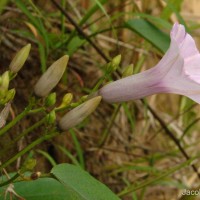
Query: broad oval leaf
(41, 189)
(81, 184)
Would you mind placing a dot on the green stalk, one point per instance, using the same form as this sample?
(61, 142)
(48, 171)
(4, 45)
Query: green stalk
(10, 180)
(15, 120)
(24, 133)
(28, 148)
(107, 130)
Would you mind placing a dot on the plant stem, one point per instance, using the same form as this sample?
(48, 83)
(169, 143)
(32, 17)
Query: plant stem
(24, 133)
(42, 109)
(10, 180)
(15, 120)
(107, 130)
(28, 148)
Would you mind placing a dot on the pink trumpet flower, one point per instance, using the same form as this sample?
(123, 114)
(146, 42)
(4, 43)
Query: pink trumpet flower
(177, 72)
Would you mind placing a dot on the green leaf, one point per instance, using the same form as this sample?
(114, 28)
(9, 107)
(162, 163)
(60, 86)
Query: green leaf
(81, 184)
(38, 24)
(78, 148)
(47, 156)
(44, 188)
(167, 11)
(75, 44)
(155, 20)
(91, 11)
(3, 4)
(149, 32)
(173, 6)
(69, 155)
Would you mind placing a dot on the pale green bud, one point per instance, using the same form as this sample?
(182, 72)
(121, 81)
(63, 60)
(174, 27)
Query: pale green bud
(84, 98)
(9, 95)
(114, 64)
(116, 60)
(51, 117)
(5, 81)
(19, 59)
(67, 99)
(28, 165)
(78, 114)
(128, 71)
(51, 77)
(51, 99)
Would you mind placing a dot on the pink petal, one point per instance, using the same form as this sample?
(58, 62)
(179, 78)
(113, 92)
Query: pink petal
(188, 47)
(178, 33)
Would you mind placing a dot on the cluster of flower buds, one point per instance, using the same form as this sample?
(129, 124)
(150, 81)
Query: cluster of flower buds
(6, 94)
(47, 82)
(16, 64)
(42, 89)
(177, 72)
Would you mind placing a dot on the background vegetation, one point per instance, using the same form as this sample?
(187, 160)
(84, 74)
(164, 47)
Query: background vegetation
(139, 149)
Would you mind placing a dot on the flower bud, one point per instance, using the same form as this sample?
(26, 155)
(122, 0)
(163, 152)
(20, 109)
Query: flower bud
(50, 100)
(65, 101)
(20, 58)
(35, 175)
(114, 64)
(78, 114)
(5, 81)
(4, 114)
(51, 77)
(51, 117)
(128, 71)
(116, 60)
(9, 95)
(28, 165)
(67, 98)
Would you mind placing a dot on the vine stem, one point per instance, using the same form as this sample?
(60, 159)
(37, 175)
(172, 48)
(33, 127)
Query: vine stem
(24, 133)
(29, 147)
(15, 120)
(10, 180)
